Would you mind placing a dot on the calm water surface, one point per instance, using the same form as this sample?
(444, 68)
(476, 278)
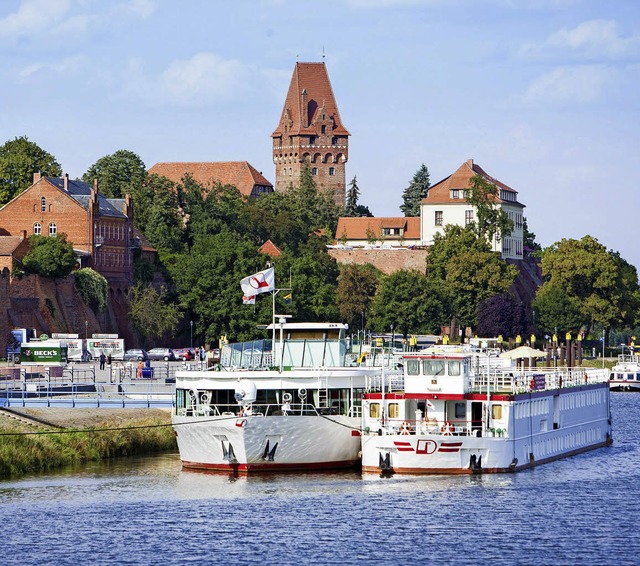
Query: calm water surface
(581, 510)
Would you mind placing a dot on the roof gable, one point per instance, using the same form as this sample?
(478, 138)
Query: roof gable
(81, 192)
(440, 193)
(208, 173)
(309, 91)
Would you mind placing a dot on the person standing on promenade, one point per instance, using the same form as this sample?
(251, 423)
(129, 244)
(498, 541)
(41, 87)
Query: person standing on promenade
(102, 360)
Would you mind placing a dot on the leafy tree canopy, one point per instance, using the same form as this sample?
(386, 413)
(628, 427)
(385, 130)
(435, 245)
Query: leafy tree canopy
(502, 315)
(151, 314)
(357, 286)
(118, 174)
(557, 311)
(19, 160)
(604, 285)
(49, 256)
(409, 301)
(415, 192)
(93, 288)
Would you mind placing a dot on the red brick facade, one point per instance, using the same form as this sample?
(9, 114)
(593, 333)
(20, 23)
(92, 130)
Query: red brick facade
(310, 129)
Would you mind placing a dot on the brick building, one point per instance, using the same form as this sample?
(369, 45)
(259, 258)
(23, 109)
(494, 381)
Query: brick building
(100, 230)
(310, 129)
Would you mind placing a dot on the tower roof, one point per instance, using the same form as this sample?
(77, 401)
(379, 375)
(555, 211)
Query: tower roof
(309, 91)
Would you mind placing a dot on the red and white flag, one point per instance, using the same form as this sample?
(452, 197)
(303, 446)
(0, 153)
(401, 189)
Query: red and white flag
(261, 282)
(248, 299)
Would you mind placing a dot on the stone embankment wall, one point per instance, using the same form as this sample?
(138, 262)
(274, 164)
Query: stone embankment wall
(386, 260)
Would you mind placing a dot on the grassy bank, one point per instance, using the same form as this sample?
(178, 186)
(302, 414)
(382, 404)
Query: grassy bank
(25, 449)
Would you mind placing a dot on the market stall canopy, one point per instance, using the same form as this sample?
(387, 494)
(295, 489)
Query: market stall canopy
(523, 352)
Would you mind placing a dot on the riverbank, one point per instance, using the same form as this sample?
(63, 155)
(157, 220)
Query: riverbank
(41, 439)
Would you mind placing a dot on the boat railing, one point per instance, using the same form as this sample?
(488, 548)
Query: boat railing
(255, 410)
(433, 426)
(391, 382)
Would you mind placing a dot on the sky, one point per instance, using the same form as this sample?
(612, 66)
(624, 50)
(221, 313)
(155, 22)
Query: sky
(542, 94)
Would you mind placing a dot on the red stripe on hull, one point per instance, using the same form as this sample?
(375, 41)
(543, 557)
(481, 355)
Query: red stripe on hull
(463, 471)
(269, 467)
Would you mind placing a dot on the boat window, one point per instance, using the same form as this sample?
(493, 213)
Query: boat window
(461, 411)
(496, 412)
(433, 367)
(637, 376)
(393, 410)
(413, 367)
(455, 367)
(374, 411)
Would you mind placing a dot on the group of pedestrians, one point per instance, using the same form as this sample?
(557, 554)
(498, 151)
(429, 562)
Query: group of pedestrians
(104, 359)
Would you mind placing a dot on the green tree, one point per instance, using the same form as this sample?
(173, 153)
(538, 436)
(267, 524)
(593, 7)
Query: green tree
(557, 311)
(491, 220)
(468, 271)
(151, 313)
(604, 285)
(357, 286)
(415, 192)
(162, 220)
(118, 174)
(19, 160)
(353, 194)
(49, 256)
(410, 302)
(529, 238)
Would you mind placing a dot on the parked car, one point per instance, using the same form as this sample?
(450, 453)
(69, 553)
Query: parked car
(165, 354)
(135, 355)
(185, 354)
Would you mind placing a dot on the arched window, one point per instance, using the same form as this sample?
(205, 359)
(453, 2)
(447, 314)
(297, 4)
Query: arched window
(53, 229)
(37, 228)
(43, 204)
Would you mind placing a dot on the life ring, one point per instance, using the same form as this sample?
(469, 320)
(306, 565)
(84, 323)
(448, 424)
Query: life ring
(532, 384)
(446, 429)
(286, 397)
(205, 397)
(302, 393)
(405, 428)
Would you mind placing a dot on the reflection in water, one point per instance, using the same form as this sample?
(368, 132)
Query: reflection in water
(148, 510)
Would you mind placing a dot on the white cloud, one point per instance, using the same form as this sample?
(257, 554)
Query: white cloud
(134, 9)
(34, 16)
(583, 83)
(67, 66)
(591, 39)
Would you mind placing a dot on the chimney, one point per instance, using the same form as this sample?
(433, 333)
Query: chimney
(65, 179)
(24, 234)
(305, 109)
(36, 177)
(470, 163)
(95, 184)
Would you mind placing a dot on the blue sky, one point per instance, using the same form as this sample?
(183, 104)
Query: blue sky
(543, 94)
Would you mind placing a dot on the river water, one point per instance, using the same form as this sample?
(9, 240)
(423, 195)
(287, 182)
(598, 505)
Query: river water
(580, 510)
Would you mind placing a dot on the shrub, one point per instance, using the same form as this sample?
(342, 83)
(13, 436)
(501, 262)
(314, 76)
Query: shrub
(49, 256)
(92, 287)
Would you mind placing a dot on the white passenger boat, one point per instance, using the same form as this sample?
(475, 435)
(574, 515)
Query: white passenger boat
(299, 409)
(625, 375)
(452, 416)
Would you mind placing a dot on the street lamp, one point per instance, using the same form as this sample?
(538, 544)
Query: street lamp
(86, 329)
(191, 325)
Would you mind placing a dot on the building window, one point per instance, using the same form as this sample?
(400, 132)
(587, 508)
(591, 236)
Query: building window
(53, 229)
(43, 204)
(455, 193)
(312, 140)
(332, 171)
(37, 228)
(334, 140)
(468, 217)
(314, 170)
(438, 217)
(323, 129)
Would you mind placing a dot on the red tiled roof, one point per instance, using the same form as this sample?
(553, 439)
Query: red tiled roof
(440, 193)
(8, 244)
(270, 249)
(310, 80)
(356, 228)
(238, 173)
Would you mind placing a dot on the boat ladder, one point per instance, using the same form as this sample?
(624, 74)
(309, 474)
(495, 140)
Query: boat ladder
(323, 392)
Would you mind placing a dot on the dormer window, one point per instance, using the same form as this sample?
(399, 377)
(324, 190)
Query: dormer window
(43, 204)
(455, 193)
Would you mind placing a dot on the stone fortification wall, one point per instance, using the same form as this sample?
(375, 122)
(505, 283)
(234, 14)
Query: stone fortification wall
(386, 260)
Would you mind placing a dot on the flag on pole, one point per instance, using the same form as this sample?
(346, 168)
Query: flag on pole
(261, 282)
(248, 299)
(288, 298)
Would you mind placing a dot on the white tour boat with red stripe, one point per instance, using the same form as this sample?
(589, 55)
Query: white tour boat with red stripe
(625, 375)
(459, 413)
(294, 407)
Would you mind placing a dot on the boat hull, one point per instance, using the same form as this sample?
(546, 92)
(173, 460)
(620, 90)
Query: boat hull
(273, 443)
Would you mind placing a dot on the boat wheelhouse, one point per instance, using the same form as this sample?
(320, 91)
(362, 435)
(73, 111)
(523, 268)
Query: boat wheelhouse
(293, 406)
(456, 413)
(625, 375)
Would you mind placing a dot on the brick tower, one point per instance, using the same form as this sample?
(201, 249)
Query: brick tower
(310, 129)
